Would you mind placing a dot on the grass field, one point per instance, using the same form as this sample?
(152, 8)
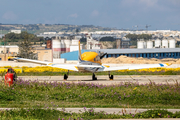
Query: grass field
(39, 100)
(65, 94)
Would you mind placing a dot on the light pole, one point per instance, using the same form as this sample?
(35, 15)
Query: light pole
(4, 47)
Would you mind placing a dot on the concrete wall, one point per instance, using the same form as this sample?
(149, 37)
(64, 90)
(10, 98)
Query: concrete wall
(4, 57)
(20, 64)
(7, 49)
(44, 54)
(72, 61)
(59, 60)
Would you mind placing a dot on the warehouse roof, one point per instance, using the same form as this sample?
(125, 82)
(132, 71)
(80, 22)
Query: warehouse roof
(126, 51)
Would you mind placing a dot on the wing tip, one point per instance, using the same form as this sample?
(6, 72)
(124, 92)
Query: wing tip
(168, 64)
(165, 64)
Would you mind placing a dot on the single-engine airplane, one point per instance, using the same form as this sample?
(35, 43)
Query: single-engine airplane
(90, 62)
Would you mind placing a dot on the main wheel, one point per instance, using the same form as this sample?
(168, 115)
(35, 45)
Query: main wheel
(65, 77)
(94, 77)
(111, 77)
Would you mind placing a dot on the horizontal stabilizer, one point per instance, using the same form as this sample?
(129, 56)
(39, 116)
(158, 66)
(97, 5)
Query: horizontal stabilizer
(132, 67)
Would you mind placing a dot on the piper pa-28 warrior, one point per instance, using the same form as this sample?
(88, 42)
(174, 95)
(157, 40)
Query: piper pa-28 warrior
(91, 62)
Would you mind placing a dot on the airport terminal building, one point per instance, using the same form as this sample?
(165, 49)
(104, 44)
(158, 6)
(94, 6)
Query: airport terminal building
(158, 53)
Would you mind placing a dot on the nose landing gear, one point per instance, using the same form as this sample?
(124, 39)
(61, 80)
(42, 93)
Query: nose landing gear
(66, 76)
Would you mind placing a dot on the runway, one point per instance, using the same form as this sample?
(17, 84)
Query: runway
(104, 79)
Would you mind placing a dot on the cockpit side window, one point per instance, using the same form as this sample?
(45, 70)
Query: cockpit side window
(97, 58)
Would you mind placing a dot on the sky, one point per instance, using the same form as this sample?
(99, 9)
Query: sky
(120, 14)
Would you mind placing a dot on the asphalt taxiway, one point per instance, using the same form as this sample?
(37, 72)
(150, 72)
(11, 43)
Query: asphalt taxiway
(103, 79)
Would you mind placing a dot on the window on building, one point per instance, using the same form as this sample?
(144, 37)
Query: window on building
(176, 54)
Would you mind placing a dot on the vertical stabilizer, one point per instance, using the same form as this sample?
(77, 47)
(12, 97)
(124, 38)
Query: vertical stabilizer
(79, 55)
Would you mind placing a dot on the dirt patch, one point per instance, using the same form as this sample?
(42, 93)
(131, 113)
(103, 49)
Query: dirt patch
(131, 60)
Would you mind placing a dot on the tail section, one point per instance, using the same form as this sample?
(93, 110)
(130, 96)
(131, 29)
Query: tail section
(79, 56)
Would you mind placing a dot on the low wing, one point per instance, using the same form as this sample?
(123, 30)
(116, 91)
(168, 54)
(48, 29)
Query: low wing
(72, 67)
(131, 67)
(32, 61)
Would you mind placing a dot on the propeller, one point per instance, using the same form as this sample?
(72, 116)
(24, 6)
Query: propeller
(103, 55)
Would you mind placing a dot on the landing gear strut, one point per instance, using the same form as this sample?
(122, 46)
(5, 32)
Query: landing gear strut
(94, 77)
(66, 76)
(110, 76)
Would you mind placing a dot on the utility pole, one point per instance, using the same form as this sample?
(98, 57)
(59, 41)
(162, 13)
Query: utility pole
(1, 33)
(4, 47)
(147, 27)
(136, 27)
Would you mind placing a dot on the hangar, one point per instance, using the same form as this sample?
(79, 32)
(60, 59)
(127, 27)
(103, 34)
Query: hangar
(158, 53)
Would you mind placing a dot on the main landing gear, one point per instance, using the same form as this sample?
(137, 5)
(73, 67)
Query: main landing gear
(66, 75)
(94, 77)
(110, 76)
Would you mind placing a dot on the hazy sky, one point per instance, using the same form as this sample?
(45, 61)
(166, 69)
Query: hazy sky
(160, 14)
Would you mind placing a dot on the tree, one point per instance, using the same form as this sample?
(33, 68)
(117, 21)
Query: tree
(25, 48)
(111, 39)
(141, 36)
(134, 37)
(11, 36)
(19, 37)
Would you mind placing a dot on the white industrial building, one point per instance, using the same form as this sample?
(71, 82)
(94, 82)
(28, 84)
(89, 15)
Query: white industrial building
(9, 49)
(16, 31)
(65, 44)
(165, 43)
(91, 43)
(49, 33)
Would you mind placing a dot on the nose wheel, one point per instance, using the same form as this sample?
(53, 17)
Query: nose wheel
(66, 76)
(110, 76)
(94, 77)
